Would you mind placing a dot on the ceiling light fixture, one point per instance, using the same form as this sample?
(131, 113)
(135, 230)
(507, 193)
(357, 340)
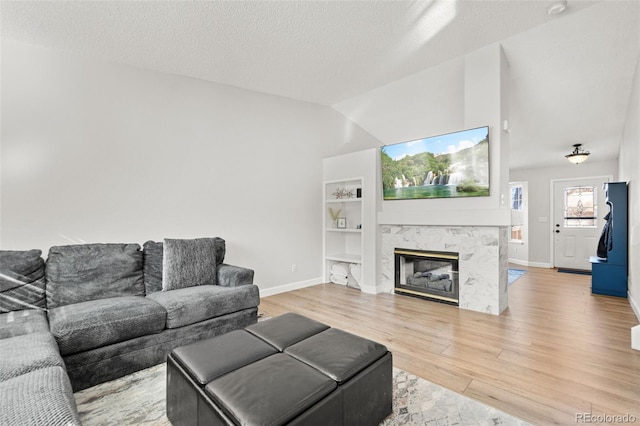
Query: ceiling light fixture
(556, 7)
(578, 155)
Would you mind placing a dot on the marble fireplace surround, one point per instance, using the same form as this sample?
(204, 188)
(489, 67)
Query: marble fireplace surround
(483, 260)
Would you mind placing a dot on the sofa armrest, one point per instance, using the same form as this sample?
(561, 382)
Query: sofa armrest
(234, 276)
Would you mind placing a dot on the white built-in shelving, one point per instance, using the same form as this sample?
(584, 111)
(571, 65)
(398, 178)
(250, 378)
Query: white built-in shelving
(343, 241)
(353, 241)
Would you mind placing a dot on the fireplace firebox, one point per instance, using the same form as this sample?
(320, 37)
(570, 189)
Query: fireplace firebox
(427, 274)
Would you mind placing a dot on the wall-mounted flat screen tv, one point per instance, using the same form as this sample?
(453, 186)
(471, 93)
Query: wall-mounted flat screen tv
(446, 166)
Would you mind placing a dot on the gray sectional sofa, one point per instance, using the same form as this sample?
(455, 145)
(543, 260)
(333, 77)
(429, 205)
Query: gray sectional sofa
(95, 312)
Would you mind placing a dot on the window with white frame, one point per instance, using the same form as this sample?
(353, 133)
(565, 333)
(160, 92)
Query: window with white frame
(517, 213)
(516, 198)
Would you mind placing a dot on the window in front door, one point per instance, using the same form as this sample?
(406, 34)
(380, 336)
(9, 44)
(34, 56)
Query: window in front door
(580, 209)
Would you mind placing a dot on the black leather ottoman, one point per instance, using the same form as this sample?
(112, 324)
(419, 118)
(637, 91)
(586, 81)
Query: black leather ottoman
(285, 370)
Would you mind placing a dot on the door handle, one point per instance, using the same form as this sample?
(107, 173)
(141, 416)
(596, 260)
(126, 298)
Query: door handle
(557, 231)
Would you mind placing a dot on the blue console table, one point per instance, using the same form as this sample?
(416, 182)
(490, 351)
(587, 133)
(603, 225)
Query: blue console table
(609, 274)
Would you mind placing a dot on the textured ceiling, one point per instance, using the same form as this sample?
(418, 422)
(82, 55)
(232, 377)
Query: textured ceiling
(328, 51)
(571, 83)
(318, 51)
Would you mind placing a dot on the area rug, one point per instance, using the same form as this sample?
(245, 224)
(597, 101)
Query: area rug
(514, 274)
(139, 399)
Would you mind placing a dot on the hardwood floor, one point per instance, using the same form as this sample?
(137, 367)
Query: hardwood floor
(557, 351)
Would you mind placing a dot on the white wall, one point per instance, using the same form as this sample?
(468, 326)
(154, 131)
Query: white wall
(628, 162)
(463, 93)
(428, 103)
(539, 181)
(96, 152)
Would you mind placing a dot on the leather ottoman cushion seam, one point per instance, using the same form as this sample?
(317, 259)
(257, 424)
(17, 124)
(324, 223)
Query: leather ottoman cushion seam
(209, 359)
(349, 353)
(271, 391)
(286, 330)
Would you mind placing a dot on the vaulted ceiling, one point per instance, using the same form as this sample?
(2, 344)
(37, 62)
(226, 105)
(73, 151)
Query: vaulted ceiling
(571, 73)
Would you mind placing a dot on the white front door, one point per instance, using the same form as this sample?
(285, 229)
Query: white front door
(578, 211)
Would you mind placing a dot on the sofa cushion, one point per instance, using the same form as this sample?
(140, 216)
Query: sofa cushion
(22, 284)
(82, 272)
(187, 263)
(17, 323)
(194, 304)
(87, 325)
(41, 397)
(27, 353)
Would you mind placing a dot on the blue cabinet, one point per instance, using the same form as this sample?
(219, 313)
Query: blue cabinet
(609, 273)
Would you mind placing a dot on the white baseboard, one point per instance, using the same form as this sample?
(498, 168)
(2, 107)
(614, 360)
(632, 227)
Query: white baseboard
(532, 264)
(540, 265)
(634, 305)
(289, 287)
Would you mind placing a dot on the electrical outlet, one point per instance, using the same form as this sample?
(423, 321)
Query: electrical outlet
(294, 267)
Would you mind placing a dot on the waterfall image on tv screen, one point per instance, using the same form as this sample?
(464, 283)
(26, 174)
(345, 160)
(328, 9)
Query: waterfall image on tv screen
(446, 166)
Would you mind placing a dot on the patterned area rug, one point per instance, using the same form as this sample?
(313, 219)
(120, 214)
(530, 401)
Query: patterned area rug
(139, 399)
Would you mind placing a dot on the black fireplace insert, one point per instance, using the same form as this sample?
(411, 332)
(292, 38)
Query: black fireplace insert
(427, 274)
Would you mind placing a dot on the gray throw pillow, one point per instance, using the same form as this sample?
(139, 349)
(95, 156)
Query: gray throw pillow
(152, 266)
(187, 263)
(22, 283)
(153, 259)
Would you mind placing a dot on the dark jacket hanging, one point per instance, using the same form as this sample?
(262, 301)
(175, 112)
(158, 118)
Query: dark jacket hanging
(606, 238)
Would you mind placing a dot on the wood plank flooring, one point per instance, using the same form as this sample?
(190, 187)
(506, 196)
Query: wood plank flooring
(557, 352)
